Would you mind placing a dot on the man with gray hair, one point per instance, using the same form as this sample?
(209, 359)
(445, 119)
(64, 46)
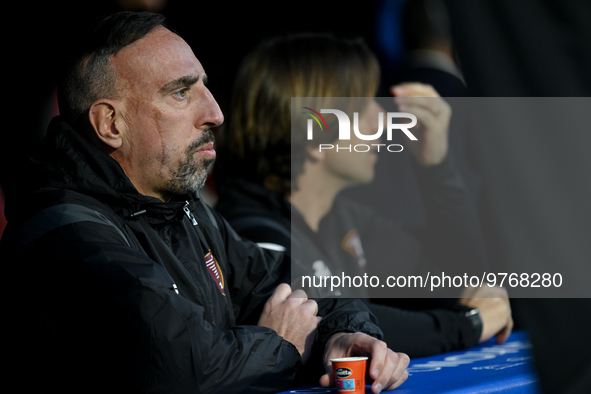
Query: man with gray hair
(133, 283)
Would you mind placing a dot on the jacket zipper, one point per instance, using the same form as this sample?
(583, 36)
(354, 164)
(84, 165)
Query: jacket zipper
(143, 211)
(189, 213)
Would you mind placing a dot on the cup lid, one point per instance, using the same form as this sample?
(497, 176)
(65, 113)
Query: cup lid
(332, 360)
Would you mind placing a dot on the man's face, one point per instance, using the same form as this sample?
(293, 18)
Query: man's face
(167, 114)
(350, 167)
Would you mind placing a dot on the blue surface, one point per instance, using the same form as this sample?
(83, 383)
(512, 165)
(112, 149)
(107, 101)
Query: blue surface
(488, 368)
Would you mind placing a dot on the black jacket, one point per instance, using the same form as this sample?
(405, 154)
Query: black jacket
(415, 327)
(126, 293)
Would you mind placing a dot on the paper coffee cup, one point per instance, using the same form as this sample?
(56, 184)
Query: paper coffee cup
(349, 374)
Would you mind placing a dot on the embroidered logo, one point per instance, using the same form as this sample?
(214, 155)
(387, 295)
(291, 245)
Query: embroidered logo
(352, 245)
(215, 271)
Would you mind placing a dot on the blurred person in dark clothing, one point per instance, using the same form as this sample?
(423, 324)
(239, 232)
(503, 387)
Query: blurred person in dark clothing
(279, 196)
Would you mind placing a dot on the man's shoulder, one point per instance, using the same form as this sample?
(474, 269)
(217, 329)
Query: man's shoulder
(48, 198)
(51, 208)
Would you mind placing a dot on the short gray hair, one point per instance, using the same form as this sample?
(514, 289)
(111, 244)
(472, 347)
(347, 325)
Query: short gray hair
(89, 75)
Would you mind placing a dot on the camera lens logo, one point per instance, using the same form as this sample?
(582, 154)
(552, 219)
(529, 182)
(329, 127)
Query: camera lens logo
(315, 115)
(345, 129)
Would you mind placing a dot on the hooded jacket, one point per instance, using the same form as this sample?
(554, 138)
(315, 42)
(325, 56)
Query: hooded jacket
(127, 293)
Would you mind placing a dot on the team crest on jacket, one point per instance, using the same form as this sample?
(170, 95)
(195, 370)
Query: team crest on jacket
(215, 271)
(352, 244)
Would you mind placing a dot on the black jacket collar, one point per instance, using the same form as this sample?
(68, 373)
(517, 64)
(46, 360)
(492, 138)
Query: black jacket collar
(66, 159)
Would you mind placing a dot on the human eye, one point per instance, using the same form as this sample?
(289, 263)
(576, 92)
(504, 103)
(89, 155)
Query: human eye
(182, 93)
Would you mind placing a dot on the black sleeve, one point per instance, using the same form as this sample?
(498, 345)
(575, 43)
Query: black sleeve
(258, 271)
(452, 236)
(420, 332)
(426, 332)
(452, 239)
(450, 243)
(101, 316)
(339, 314)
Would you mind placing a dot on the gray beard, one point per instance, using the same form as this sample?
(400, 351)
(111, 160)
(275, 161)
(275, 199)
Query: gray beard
(190, 177)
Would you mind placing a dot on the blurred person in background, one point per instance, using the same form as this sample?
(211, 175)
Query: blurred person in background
(279, 196)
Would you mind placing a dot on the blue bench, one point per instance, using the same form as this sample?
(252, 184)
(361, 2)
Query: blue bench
(487, 368)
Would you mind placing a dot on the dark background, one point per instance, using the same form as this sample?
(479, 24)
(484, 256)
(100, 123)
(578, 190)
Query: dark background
(505, 47)
(220, 33)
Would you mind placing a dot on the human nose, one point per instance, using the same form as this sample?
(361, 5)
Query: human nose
(212, 114)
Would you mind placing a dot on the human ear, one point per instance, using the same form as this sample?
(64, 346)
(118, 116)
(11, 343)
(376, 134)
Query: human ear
(103, 117)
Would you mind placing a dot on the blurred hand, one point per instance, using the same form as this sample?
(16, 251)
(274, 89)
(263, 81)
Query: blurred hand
(386, 368)
(293, 317)
(495, 311)
(433, 115)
